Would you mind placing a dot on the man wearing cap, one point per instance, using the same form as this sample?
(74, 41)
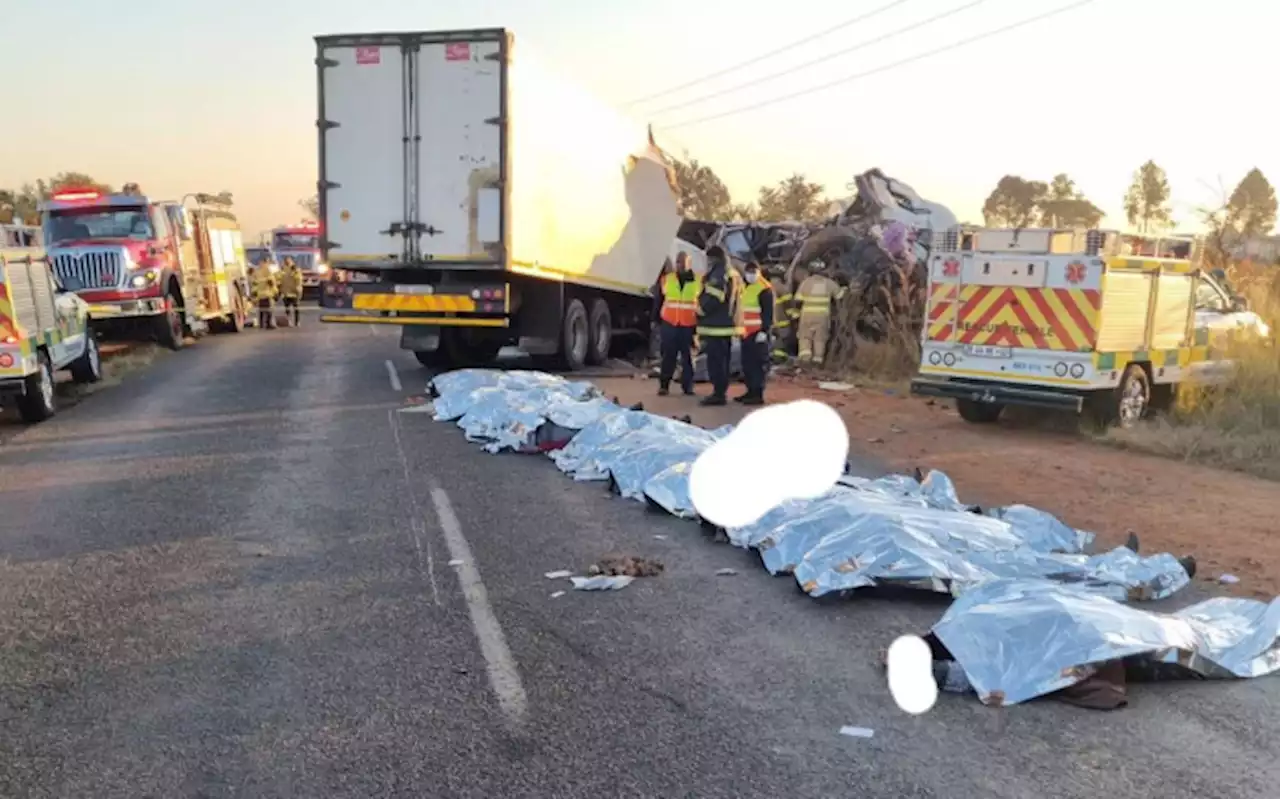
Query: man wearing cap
(717, 307)
(757, 320)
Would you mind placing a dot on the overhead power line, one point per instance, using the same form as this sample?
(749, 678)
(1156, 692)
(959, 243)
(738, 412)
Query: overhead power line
(769, 54)
(884, 68)
(828, 57)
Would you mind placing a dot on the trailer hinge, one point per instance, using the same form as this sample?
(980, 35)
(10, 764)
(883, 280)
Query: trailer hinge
(402, 229)
(330, 245)
(324, 185)
(325, 124)
(325, 63)
(493, 121)
(496, 56)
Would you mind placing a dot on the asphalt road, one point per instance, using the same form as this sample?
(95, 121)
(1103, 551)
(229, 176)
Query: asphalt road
(231, 576)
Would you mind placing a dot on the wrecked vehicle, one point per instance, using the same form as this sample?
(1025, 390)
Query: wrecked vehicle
(881, 264)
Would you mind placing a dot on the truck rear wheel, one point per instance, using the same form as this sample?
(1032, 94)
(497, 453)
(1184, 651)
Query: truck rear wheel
(430, 358)
(38, 403)
(88, 367)
(976, 412)
(169, 327)
(600, 331)
(575, 336)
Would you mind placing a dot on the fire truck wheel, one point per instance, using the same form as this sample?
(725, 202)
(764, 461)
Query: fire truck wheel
(38, 404)
(169, 328)
(574, 336)
(88, 367)
(976, 412)
(601, 332)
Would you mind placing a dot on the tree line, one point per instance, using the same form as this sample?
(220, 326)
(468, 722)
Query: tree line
(1249, 210)
(22, 204)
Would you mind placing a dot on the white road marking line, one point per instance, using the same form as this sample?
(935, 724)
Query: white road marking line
(417, 524)
(504, 676)
(395, 377)
(373, 330)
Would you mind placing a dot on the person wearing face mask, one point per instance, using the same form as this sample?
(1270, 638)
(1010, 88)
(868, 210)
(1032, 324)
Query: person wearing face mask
(678, 309)
(757, 320)
(717, 309)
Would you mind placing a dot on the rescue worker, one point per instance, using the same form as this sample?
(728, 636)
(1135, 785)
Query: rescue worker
(678, 309)
(815, 296)
(717, 308)
(264, 293)
(757, 320)
(291, 289)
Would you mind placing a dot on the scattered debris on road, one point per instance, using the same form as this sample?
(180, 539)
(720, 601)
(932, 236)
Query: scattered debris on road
(726, 572)
(558, 575)
(835, 386)
(557, 594)
(602, 582)
(628, 565)
(857, 732)
(455, 563)
(1228, 579)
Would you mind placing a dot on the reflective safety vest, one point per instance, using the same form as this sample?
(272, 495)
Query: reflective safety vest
(815, 295)
(680, 303)
(719, 323)
(751, 322)
(264, 283)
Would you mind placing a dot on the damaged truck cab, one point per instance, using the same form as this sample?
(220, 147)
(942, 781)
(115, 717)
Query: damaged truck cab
(492, 203)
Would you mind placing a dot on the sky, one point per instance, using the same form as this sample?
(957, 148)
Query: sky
(185, 97)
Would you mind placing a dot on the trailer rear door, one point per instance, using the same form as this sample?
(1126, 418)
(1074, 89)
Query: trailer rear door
(411, 147)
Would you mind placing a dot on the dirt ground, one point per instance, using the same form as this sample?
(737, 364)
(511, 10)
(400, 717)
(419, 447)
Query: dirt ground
(1228, 521)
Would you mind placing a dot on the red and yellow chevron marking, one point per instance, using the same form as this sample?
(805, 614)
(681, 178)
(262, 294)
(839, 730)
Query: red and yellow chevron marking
(1043, 319)
(413, 302)
(942, 307)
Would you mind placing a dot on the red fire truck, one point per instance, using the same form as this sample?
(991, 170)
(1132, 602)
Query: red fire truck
(301, 242)
(165, 267)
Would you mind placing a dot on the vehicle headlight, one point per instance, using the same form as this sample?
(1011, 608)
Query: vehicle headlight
(322, 269)
(143, 280)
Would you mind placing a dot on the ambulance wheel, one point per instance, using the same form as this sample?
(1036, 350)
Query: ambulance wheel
(601, 332)
(38, 404)
(169, 327)
(575, 338)
(88, 367)
(1132, 398)
(976, 412)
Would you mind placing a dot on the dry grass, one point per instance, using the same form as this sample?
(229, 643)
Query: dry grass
(892, 354)
(1235, 425)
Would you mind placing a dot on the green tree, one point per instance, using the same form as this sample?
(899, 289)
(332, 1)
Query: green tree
(1251, 209)
(793, 199)
(1014, 202)
(311, 205)
(702, 194)
(1064, 206)
(1146, 204)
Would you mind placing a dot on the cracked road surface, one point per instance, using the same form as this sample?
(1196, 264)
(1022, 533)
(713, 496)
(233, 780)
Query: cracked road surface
(243, 573)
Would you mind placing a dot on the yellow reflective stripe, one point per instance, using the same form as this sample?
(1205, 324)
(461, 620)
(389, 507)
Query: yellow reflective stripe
(719, 331)
(783, 323)
(714, 292)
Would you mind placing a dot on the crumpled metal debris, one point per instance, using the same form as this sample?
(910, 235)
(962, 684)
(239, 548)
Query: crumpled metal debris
(1020, 639)
(630, 565)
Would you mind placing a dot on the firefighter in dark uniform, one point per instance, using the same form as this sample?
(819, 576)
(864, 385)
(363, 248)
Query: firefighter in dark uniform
(677, 301)
(716, 329)
(757, 320)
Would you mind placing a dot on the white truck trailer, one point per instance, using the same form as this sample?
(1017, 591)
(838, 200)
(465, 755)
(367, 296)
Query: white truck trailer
(494, 203)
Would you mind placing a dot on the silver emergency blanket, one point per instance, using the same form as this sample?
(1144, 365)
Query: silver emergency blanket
(896, 531)
(1020, 639)
(521, 411)
(456, 392)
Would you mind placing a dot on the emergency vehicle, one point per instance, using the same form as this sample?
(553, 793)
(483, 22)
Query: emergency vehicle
(43, 328)
(301, 242)
(161, 266)
(1081, 320)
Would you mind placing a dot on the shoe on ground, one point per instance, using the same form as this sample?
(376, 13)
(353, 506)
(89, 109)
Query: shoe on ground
(713, 401)
(662, 391)
(751, 400)
(688, 392)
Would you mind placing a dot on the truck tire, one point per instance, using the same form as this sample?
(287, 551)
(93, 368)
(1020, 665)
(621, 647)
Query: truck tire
(169, 328)
(575, 337)
(38, 403)
(976, 412)
(1125, 405)
(600, 329)
(88, 367)
(430, 358)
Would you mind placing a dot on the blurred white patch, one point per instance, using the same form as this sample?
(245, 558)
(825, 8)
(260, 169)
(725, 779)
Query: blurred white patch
(732, 483)
(910, 667)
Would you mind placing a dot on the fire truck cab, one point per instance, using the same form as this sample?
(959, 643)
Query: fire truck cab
(301, 242)
(158, 266)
